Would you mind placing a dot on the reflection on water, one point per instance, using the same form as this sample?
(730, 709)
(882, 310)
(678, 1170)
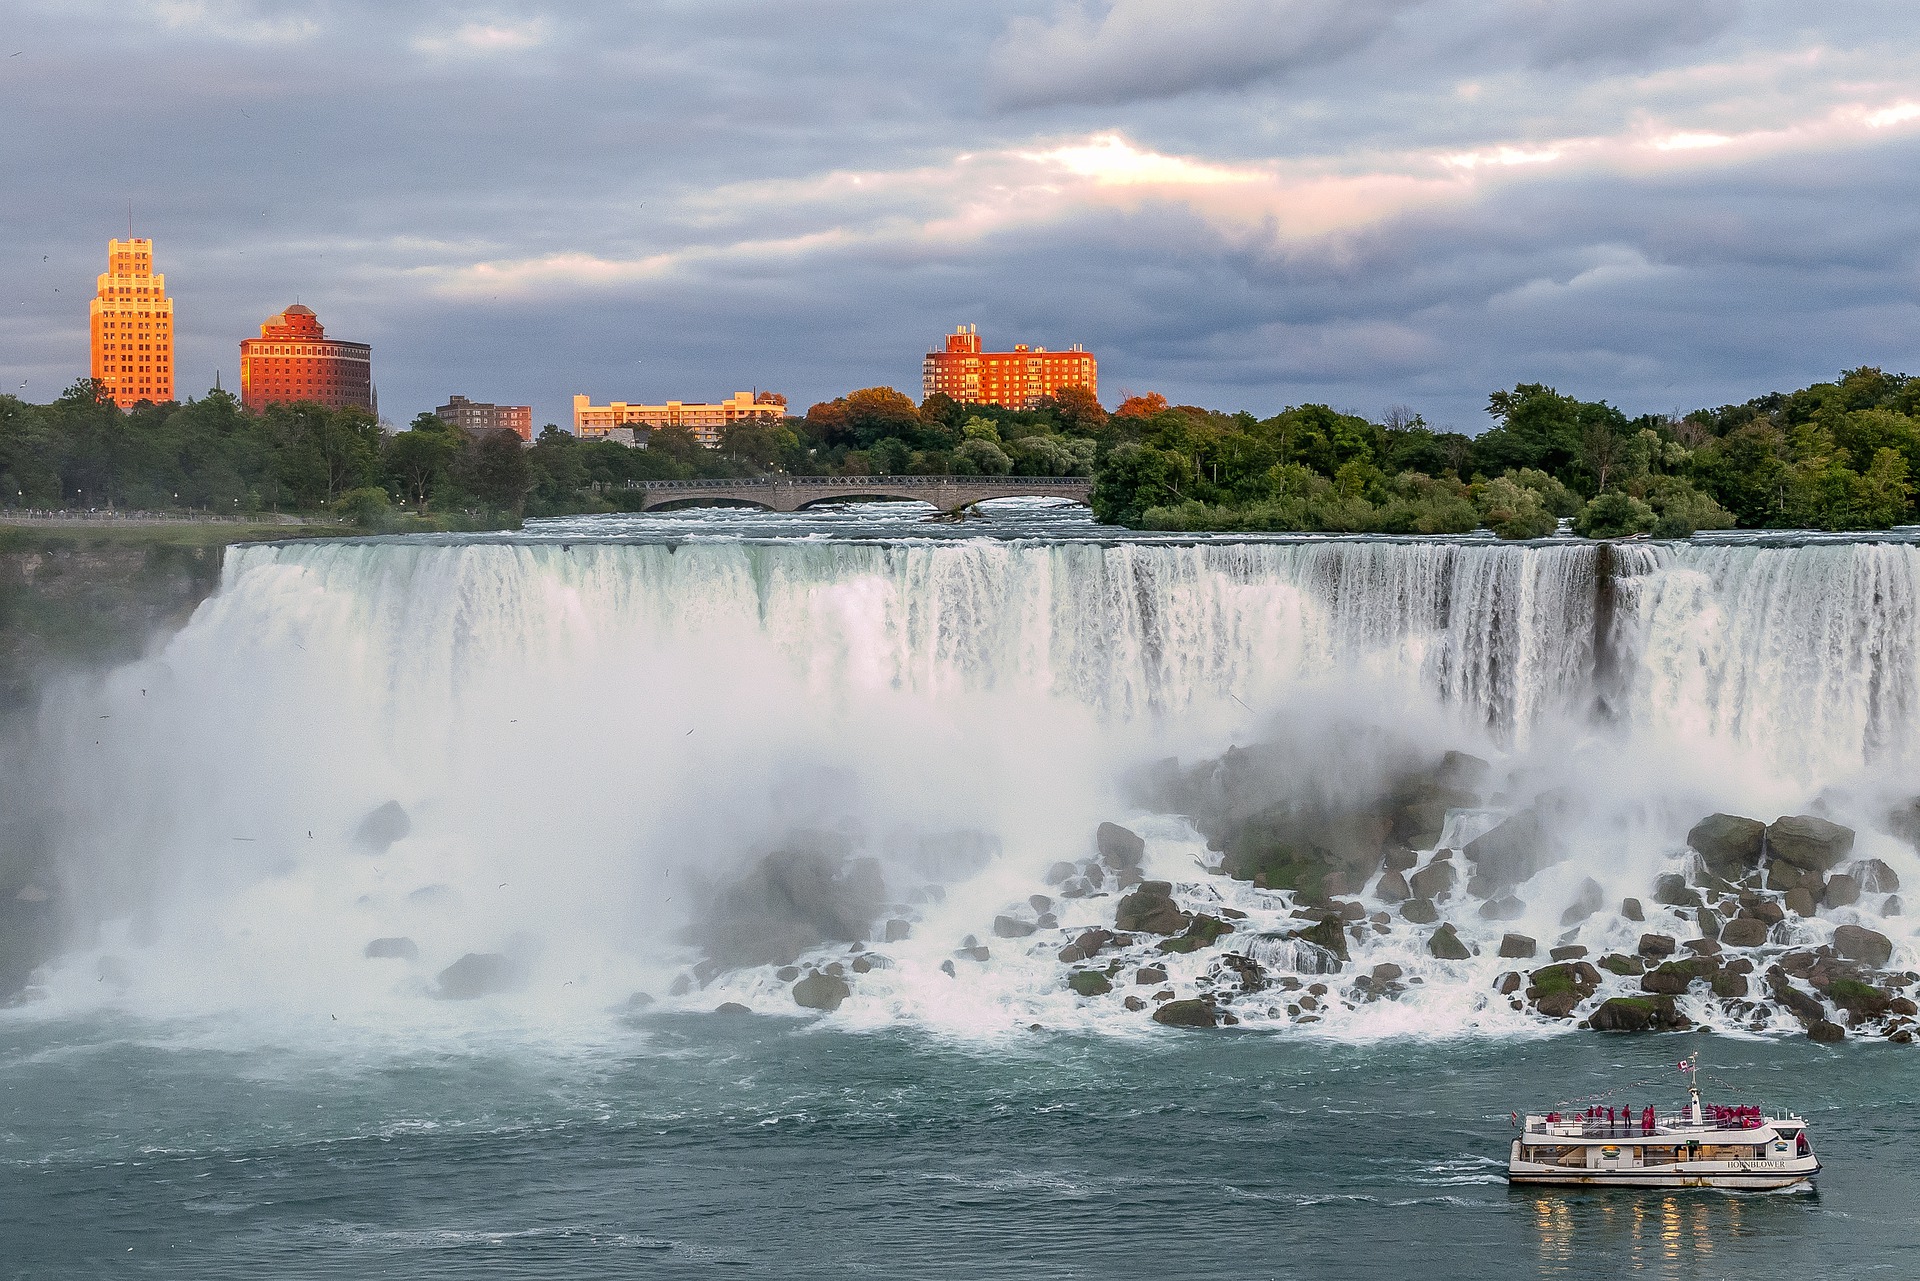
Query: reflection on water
(1674, 1234)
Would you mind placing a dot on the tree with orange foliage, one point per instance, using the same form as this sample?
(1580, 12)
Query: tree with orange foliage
(1142, 406)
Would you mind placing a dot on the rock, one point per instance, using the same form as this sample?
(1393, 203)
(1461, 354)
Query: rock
(1040, 904)
(732, 1007)
(1058, 873)
(1504, 908)
(1810, 843)
(1419, 911)
(820, 991)
(1672, 889)
(1076, 887)
(682, 984)
(1729, 845)
(1670, 979)
(1743, 931)
(1445, 945)
(1630, 909)
(1509, 983)
(1329, 935)
(1434, 881)
(1875, 877)
(1869, 947)
(1011, 927)
(1764, 910)
(1800, 903)
(1892, 907)
(1638, 1014)
(1189, 1013)
(1703, 947)
(1392, 888)
(1149, 974)
(1783, 878)
(1119, 848)
(636, 1003)
(1251, 974)
(896, 931)
(1089, 983)
(809, 893)
(1517, 945)
(1625, 966)
(402, 949)
(1400, 860)
(946, 968)
(1087, 945)
(1842, 891)
(1587, 900)
(1201, 932)
(1825, 1031)
(1571, 952)
(1514, 851)
(1656, 945)
(1150, 909)
(478, 974)
(382, 827)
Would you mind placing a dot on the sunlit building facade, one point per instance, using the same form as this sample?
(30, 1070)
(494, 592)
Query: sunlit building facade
(131, 319)
(475, 416)
(705, 421)
(1017, 379)
(293, 360)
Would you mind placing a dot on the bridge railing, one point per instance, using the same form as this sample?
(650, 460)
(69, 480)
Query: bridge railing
(891, 482)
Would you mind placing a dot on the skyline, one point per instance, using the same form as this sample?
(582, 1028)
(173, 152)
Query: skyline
(1663, 205)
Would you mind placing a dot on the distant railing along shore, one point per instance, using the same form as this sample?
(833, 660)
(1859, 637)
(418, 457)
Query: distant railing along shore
(62, 516)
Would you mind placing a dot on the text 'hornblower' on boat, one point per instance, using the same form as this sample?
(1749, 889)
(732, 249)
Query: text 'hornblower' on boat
(1702, 1146)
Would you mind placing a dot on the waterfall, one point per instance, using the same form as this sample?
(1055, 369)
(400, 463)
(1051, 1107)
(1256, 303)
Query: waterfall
(571, 727)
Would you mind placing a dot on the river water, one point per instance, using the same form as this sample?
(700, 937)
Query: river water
(584, 720)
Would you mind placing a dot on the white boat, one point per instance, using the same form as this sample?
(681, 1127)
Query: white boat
(1701, 1146)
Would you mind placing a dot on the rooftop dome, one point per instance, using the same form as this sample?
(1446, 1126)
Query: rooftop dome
(297, 310)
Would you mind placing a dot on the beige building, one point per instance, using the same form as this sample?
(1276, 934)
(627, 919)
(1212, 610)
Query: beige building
(595, 422)
(132, 323)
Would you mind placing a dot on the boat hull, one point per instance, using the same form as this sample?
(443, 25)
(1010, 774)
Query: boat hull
(1737, 1180)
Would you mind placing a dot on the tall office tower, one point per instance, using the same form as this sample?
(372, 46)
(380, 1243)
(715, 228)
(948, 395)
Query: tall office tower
(132, 323)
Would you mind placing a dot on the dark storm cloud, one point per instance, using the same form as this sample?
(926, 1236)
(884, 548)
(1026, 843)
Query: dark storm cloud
(1238, 204)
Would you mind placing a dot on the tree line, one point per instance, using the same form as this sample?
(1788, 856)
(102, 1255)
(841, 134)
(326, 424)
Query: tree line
(1836, 455)
(1833, 456)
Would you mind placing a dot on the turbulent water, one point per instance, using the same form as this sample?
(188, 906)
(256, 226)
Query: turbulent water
(595, 728)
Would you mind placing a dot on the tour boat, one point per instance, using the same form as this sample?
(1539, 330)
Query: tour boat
(1702, 1146)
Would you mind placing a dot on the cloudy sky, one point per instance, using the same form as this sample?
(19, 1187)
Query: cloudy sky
(1238, 203)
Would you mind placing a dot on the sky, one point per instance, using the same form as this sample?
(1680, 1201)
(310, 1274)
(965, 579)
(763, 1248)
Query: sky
(1244, 204)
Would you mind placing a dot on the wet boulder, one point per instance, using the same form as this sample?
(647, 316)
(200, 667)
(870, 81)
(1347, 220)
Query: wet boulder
(382, 827)
(1518, 945)
(1089, 983)
(1514, 851)
(1087, 945)
(1330, 935)
(1419, 911)
(1119, 847)
(1671, 890)
(399, 949)
(1150, 909)
(1728, 844)
(1435, 881)
(1555, 990)
(1842, 890)
(1638, 1014)
(1012, 927)
(1504, 908)
(1587, 900)
(1743, 931)
(1810, 843)
(731, 1009)
(1631, 910)
(1784, 878)
(1444, 944)
(1188, 1013)
(1869, 947)
(790, 901)
(1148, 975)
(821, 991)
(478, 974)
(1059, 873)
(1801, 902)
(1825, 1031)
(1392, 888)
(1656, 945)
(1875, 877)
(1201, 932)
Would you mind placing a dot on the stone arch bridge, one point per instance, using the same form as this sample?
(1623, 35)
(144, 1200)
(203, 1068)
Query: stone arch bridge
(791, 493)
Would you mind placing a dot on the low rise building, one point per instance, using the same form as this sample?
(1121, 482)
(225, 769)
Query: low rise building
(705, 421)
(1017, 379)
(293, 360)
(473, 416)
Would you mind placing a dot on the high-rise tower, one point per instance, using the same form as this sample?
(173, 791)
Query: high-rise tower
(132, 322)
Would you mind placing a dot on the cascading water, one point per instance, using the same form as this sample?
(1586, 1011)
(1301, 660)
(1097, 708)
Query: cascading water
(589, 737)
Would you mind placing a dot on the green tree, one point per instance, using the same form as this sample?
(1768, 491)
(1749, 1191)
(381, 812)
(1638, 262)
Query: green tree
(417, 460)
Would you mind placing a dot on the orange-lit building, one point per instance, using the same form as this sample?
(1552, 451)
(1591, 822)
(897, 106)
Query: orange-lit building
(1016, 379)
(294, 360)
(132, 324)
(470, 415)
(594, 422)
